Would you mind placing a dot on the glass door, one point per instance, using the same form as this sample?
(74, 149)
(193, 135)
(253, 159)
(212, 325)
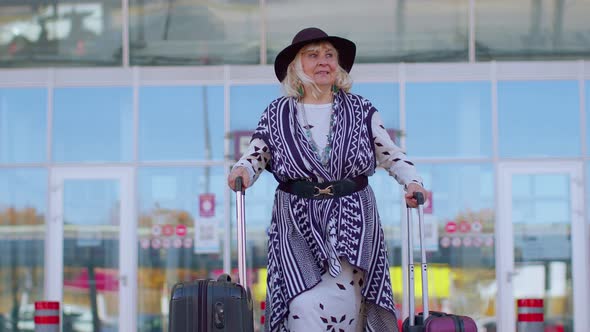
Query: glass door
(540, 243)
(92, 248)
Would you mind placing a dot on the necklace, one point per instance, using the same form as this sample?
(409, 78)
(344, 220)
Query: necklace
(324, 155)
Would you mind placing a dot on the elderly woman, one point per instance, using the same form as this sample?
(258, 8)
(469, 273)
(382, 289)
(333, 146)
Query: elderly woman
(327, 260)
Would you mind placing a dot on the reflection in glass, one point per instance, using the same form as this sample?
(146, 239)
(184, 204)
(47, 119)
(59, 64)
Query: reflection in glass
(544, 113)
(461, 243)
(23, 123)
(541, 213)
(91, 218)
(384, 31)
(388, 196)
(40, 33)
(23, 197)
(181, 219)
(587, 84)
(459, 113)
(385, 98)
(181, 123)
(194, 32)
(247, 103)
(93, 124)
(532, 30)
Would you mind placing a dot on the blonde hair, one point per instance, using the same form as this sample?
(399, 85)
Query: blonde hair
(295, 77)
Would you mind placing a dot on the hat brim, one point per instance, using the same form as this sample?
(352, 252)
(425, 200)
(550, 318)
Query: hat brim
(346, 54)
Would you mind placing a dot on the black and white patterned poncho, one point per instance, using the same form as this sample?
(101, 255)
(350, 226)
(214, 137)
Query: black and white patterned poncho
(309, 237)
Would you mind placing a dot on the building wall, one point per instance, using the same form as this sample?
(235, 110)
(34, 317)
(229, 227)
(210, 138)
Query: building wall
(121, 173)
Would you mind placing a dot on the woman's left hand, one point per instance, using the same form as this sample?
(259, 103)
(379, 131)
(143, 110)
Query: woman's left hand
(410, 190)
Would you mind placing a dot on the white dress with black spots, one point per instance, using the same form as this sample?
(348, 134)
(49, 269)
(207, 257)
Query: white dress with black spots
(333, 305)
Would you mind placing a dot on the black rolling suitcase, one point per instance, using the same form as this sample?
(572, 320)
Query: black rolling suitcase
(215, 305)
(427, 321)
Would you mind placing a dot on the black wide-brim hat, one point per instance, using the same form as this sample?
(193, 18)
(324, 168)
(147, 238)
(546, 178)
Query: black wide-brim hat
(346, 50)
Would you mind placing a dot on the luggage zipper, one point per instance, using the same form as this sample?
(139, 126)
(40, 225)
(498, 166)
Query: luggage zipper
(459, 326)
(202, 307)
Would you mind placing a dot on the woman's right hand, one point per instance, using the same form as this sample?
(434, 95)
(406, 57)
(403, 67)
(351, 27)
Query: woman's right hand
(238, 172)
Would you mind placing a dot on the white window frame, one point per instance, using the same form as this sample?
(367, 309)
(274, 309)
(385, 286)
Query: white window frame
(127, 236)
(505, 301)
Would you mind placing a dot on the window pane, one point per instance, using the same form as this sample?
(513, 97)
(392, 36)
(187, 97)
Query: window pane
(173, 204)
(23, 125)
(23, 201)
(38, 33)
(194, 32)
(533, 117)
(91, 245)
(388, 196)
(587, 84)
(384, 31)
(459, 113)
(542, 244)
(461, 260)
(246, 106)
(532, 30)
(93, 124)
(385, 98)
(181, 123)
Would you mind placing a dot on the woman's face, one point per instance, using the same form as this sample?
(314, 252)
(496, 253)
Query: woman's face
(320, 63)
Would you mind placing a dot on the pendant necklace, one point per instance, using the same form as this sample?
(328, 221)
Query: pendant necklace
(324, 155)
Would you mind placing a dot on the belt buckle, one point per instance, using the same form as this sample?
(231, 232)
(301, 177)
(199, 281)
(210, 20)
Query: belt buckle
(329, 191)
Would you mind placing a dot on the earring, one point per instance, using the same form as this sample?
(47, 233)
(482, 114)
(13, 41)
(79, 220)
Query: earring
(335, 89)
(300, 90)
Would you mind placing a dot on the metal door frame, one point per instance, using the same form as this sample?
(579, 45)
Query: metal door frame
(505, 302)
(127, 237)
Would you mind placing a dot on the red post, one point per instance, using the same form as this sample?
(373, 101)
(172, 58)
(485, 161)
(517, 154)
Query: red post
(262, 309)
(47, 316)
(531, 317)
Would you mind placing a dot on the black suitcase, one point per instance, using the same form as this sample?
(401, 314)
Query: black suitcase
(427, 321)
(215, 305)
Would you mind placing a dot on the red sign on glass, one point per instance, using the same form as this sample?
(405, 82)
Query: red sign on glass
(241, 142)
(451, 227)
(464, 227)
(206, 205)
(428, 203)
(168, 230)
(181, 230)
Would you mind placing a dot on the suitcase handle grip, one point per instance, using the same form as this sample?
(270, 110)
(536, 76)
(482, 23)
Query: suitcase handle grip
(419, 197)
(239, 182)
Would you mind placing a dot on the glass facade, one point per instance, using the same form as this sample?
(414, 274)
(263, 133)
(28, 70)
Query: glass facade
(459, 113)
(92, 124)
(60, 33)
(179, 239)
(526, 111)
(181, 123)
(445, 91)
(23, 125)
(35, 33)
(531, 31)
(194, 32)
(23, 214)
(179, 137)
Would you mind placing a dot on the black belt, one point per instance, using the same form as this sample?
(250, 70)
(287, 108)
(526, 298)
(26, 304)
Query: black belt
(316, 190)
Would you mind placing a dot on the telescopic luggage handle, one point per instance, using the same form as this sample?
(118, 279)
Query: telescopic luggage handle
(424, 266)
(241, 220)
